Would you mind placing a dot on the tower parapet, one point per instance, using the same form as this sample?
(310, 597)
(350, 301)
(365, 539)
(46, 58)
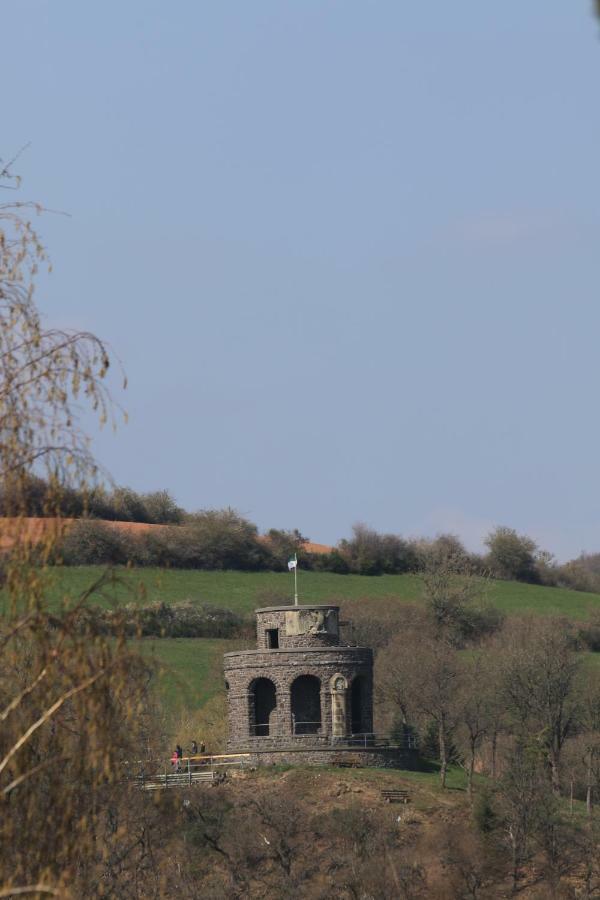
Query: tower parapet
(286, 627)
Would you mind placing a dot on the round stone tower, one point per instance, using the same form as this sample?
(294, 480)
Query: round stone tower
(302, 694)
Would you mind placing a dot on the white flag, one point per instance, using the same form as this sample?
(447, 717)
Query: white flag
(292, 563)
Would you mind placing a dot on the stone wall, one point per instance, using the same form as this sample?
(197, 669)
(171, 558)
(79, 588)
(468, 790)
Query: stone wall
(336, 667)
(302, 694)
(298, 626)
(384, 757)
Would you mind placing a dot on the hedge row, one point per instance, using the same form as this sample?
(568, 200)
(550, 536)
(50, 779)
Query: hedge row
(35, 497)
(215, 540)
(222, 539)
(158, 620)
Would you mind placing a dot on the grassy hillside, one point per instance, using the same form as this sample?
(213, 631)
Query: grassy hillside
(190, 668)
(244, 591)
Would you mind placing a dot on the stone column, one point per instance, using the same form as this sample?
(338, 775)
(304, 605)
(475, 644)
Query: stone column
(284, 701)
(326, 714)
(339, 686)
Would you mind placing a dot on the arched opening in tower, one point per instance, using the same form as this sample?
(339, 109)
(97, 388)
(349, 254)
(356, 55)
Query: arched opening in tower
(263, 700)
(357, 705)
(306, 705)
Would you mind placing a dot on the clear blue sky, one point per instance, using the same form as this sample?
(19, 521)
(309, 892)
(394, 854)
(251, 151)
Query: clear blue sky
(348, 251)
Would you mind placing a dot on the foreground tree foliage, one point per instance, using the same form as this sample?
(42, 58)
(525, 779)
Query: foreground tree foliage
(72, 703)
(44, 372)
(73, 709)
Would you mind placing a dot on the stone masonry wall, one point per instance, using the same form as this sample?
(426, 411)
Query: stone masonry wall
(282, 667)
(279, 618)
(385, 757)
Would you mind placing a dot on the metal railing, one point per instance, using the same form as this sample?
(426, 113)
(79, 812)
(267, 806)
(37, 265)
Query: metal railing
(190, 769)
(308, 728)
(264, 729)
(402, 741)
(406, 741)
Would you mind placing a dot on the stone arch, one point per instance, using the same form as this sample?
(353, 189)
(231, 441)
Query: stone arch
(262, 697)
(305, 695)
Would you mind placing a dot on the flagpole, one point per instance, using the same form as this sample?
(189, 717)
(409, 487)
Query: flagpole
(296, 580)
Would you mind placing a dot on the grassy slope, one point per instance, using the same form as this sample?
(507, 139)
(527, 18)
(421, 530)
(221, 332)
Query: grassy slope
(243, 591)
(190, 668)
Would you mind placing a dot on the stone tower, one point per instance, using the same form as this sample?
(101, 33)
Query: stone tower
(303, 694)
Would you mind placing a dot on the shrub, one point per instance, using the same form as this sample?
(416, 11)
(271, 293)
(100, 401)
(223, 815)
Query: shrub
(446, 550)
(27, 495)
(375, 620)
(177, 620)
(122, 504)
(172, 546)
(581, 574)
(478, 622)
(128, 506)
(588, 633)
(484, 815)
(429, 743)
(371, 553)
(90, 542)
(331, 562)
(282, 545)
(216, 539)
(512, 555)
(190, 620)
(161, 509)
(225, 540)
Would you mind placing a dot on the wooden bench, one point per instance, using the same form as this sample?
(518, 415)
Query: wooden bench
(396, 796)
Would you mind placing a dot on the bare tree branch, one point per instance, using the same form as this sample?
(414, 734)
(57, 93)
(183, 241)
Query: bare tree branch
(14, 703)
(43, 765)
(29, 889)
(47, 715)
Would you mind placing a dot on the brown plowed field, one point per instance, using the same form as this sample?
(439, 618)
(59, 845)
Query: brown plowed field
(35, 529)
(311, 547)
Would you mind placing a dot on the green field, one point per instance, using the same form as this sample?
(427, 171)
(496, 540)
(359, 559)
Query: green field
(244, 591)
(190, 668)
